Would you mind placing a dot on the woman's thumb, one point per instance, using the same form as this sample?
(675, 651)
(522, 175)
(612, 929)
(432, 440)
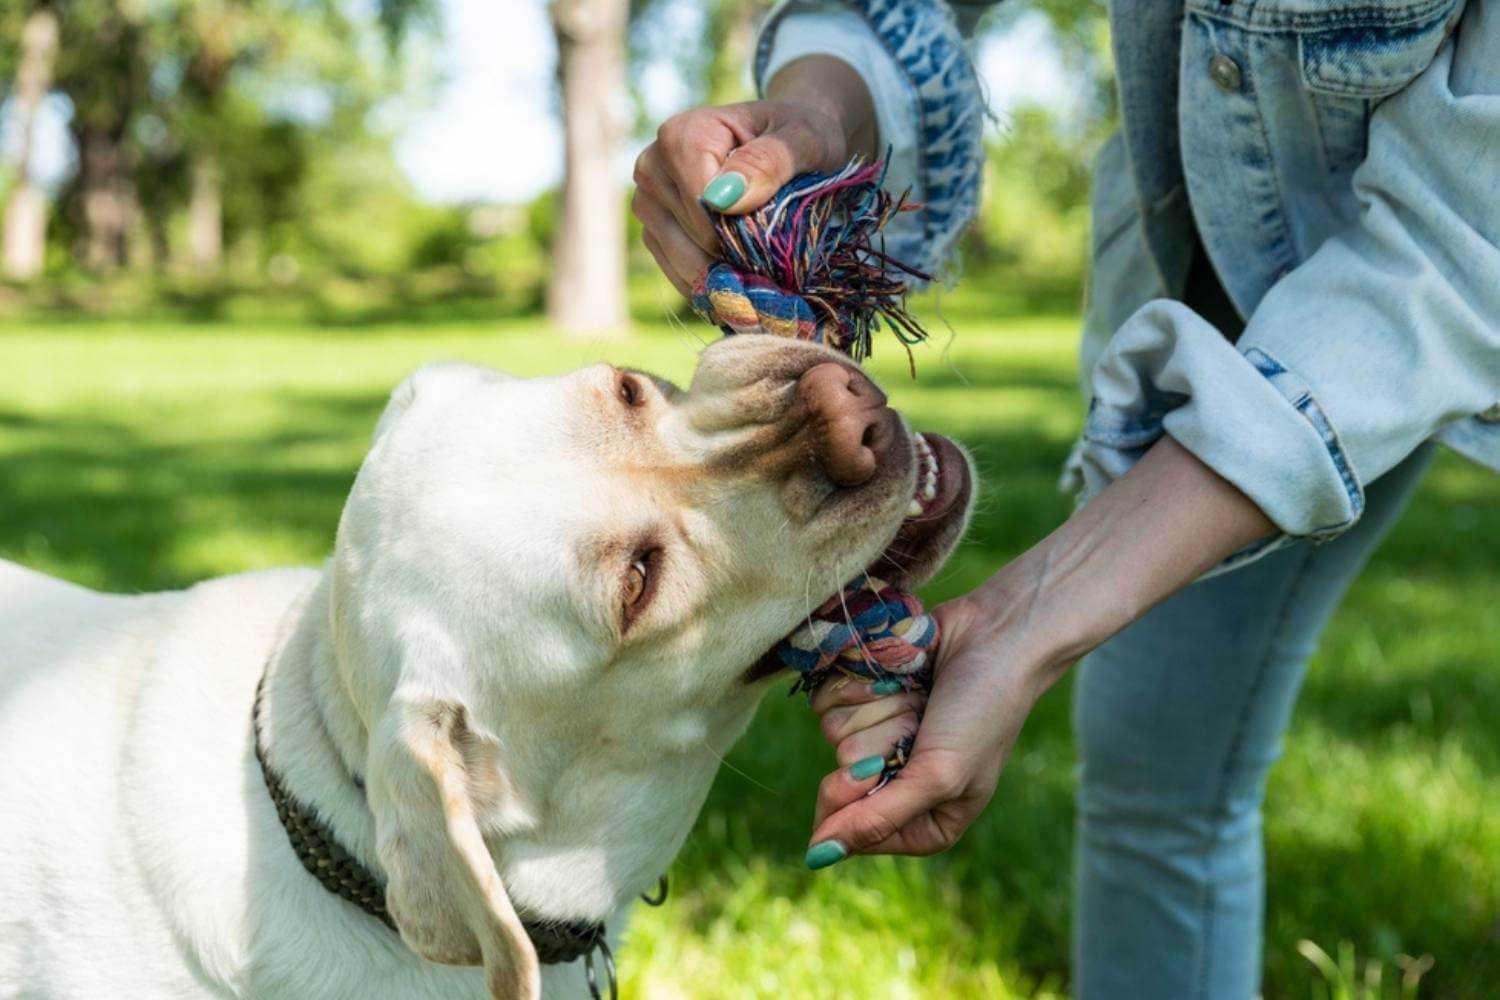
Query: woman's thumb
(871, 822)
(752, 173)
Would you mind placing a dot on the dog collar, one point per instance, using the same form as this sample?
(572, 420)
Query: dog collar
(341, 873)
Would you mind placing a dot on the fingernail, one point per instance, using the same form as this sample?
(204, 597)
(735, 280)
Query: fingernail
(887, 686)
(724, 190)
(822, 855)
(867, 767)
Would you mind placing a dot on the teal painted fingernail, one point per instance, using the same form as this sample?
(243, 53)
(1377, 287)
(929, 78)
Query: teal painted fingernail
(886, 686)
(867, 767)
(724, 190)
(829, 852)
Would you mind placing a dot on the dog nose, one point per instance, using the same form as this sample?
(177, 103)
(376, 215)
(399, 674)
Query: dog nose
(851, 425)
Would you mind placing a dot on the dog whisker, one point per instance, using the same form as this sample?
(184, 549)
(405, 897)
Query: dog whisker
(724, 761)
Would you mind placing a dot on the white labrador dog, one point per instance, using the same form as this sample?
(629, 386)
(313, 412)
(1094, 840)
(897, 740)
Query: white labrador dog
(506, 693)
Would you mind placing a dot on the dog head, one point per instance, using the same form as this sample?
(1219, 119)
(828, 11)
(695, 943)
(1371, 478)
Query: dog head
(549, 597)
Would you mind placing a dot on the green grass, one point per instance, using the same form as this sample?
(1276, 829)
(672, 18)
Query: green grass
(138, 457)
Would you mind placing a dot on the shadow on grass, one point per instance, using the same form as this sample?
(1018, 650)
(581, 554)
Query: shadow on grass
(113, 507)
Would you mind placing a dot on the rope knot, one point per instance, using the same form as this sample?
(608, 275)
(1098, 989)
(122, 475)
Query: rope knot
(870, 630)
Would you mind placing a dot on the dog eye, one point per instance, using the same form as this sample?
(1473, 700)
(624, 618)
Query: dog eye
(640, 583)
(635, 582)
(630, 391)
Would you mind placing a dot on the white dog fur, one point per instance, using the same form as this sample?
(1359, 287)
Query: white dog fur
(525, 740)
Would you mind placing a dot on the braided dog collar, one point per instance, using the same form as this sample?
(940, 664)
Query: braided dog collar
(341, 873)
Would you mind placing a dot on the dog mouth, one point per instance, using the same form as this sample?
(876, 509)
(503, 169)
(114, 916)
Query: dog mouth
(934, 515)
(933, 521)
(942, 481)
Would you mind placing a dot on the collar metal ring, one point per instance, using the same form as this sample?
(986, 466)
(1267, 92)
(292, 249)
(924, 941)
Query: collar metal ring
(661, 893)
(602, 949)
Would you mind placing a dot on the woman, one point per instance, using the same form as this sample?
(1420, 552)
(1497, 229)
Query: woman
(1296, 288)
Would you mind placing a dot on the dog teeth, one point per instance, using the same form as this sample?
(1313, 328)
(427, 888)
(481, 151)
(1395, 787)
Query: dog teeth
(927, 470)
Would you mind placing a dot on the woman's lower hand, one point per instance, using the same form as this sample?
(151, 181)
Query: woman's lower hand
(1149, 533)
(735, 158)
(984, 686)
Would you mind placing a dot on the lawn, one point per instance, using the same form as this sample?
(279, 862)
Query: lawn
(141, 456)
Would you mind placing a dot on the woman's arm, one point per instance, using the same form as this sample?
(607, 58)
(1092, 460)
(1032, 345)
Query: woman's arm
(1387, 334)
(1157, 528)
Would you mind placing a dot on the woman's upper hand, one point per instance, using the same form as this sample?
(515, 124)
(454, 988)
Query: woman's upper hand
(982, 692)
(735, 157)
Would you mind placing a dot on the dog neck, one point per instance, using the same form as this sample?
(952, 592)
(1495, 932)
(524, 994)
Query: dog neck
(310, 732)
(567, 869)
(311, 743)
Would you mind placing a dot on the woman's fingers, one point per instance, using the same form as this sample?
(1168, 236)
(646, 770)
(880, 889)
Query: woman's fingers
(689, 150)
(878, 738)
(846, 785)
(839, 724)
(665, 265)
(753, 172)
(676, 254)
(851, 691)
(734, 158)
(917, 813)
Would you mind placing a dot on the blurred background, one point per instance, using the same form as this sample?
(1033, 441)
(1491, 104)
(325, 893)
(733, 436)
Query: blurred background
(231, 226)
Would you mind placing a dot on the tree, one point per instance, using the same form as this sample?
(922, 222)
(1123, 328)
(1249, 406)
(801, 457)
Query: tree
(218, 33)
(230, 48)
(103, 69)
(26, 209)
(586, 293)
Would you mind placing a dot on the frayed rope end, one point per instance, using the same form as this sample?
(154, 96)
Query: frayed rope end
(811, 264)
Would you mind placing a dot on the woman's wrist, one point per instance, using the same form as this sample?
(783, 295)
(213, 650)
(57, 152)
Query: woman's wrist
(1151, 532)
(834, 88)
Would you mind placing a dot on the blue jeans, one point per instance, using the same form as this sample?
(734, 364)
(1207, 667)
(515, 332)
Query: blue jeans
(1179, 718)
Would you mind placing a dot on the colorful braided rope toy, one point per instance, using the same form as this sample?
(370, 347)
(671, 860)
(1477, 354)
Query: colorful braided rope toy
(807, 265)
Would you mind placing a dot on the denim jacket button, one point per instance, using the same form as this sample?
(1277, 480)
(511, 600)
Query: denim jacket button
(1225, 72)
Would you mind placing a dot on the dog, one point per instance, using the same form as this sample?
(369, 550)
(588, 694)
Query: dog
(507, 691)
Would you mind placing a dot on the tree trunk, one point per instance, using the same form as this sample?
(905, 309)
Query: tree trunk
(206, 213)
(25, 237)
(108, 198)
(587, 290)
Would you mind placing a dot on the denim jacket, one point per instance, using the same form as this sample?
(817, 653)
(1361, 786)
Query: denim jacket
(1338, 161)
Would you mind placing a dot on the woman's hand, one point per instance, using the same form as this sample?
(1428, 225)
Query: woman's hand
(735, 157)
(1152, 531)
(985, 683)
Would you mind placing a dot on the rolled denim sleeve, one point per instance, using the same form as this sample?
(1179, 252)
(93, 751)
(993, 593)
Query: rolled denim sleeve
(915, 62)
(1386, 335)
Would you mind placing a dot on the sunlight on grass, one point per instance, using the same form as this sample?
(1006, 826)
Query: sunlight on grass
(135, 457)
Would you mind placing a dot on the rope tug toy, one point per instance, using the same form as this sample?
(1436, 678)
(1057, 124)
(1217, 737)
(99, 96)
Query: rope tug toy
(807, 266)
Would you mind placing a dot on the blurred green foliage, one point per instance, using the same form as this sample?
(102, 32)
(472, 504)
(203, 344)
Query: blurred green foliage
(290, 102)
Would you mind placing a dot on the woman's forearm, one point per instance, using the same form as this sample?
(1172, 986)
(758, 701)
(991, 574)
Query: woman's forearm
(1154, 530)
(832, 86)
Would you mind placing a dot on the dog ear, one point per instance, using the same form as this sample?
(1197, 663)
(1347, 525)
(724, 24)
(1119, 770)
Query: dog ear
(430, 777)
